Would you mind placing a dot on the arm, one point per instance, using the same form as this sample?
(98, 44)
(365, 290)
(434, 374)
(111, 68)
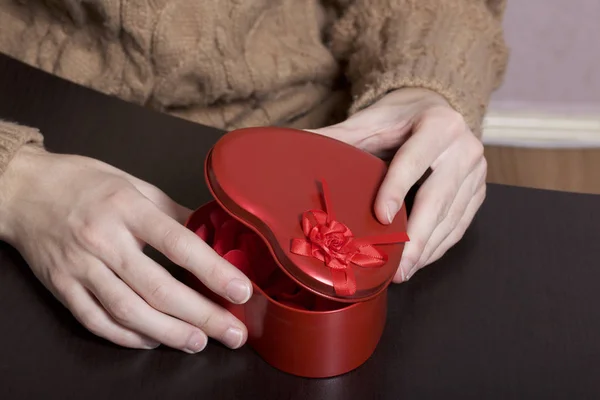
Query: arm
(422, 72)
(455, 48)
(13, 137)
(81, 225)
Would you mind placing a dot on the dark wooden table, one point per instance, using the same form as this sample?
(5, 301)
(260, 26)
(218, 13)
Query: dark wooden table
(513, 311)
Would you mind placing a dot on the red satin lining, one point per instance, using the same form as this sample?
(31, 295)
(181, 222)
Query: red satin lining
(245, 250)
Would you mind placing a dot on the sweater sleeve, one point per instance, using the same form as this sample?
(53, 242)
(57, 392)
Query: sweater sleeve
(12, 138)
(455, 48)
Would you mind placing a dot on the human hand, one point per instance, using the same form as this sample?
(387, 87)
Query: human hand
(426, 135)
(81, 225)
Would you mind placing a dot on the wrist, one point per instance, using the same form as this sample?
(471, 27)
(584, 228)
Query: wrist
(11, 182)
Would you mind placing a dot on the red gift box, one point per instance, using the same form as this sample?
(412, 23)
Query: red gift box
(293, 210)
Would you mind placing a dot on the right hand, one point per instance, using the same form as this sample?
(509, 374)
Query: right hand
(81, 226)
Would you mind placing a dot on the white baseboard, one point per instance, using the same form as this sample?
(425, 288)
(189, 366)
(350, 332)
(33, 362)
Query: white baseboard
(547, 127)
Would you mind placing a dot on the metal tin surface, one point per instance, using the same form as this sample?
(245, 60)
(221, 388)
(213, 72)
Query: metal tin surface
(269, 186)
(268, 177)
(330, 340)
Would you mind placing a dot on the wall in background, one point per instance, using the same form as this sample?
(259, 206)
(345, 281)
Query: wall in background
(555, 55)
(543, 126)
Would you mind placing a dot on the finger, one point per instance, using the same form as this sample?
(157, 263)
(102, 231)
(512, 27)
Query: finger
(461, 227)
(86, 309)
(165, 293)
(432, 135)
(187, 250)
(433, 201)
(463, 198)
(130, 311)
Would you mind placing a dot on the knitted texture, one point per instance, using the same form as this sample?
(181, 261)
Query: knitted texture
(232, 63)
(12, 138)
(455, 48)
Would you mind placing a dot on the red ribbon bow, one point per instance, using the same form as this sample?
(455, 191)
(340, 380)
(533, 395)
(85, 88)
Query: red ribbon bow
(333, 243)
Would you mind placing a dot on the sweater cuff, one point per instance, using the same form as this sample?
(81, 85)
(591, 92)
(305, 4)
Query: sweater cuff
(455, 48)
(466, 98)
(12, 138)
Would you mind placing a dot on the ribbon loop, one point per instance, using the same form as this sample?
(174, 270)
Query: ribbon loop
(333, 243)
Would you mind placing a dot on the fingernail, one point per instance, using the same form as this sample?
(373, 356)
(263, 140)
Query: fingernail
(151, 345)
(411, 272)
(196, 343)
(405, 270)
(238, 291)
(233, 337)
(391, 210)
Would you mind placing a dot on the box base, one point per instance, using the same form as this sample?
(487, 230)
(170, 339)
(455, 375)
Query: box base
(290, 327)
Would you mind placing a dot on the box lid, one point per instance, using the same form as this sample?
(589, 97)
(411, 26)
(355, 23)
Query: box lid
(311, 199)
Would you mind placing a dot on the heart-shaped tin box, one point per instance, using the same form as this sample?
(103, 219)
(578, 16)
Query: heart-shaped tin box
(294, 211)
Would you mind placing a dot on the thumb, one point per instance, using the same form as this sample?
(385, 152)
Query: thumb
(356, 130)
(337, 131)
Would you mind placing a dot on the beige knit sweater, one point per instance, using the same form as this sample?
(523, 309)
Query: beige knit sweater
(235, 63)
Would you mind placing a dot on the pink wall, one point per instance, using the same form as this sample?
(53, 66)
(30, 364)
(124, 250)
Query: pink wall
(555, 53)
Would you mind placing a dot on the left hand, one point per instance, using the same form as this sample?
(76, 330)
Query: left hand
(426, 134)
